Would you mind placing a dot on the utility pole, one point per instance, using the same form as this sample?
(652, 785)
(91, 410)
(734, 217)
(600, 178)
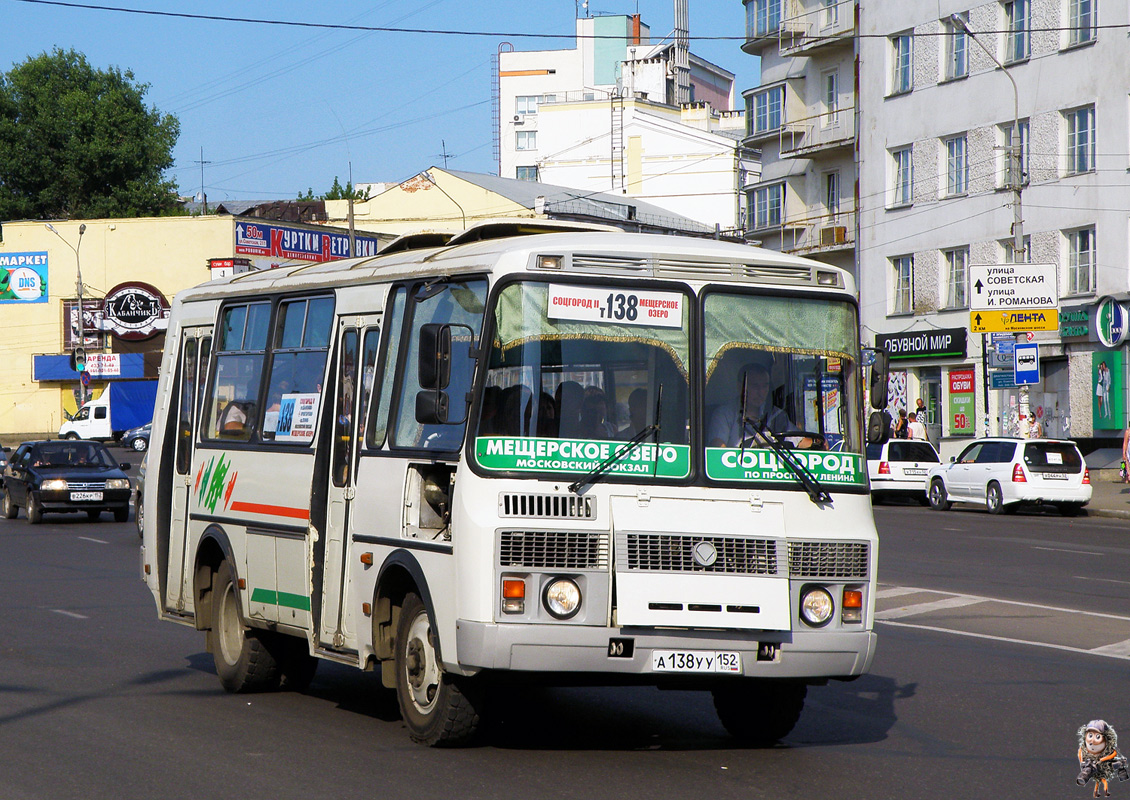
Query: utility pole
(80, 348)
(203, 194)
(1016, 183)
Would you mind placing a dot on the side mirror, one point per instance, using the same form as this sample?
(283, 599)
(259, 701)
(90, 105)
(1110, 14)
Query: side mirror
(432, 406)
(953, 459)
(879, 427)
(880, 371)
(125, 466)
(435, 356)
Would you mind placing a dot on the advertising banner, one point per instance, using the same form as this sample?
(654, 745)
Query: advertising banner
(299, 244)
(1107, 407)
(961, 408)
(23, 277)
(756, 464)
(528, 454)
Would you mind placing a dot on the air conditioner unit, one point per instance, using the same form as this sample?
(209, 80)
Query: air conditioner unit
(836, 234)
(518, 119)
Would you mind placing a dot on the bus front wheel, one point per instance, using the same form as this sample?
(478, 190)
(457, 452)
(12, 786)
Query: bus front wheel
(243, 662)
(438, 708)
(760, 711)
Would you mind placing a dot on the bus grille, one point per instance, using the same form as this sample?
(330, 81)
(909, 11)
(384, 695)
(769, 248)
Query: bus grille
(667, 552)
(546, 506)
(848, 560)
(553, 550)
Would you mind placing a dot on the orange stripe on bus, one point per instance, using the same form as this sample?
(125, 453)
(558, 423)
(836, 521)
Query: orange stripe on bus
(273, 511)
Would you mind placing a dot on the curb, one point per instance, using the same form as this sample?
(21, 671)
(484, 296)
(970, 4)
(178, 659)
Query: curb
(1110, 513)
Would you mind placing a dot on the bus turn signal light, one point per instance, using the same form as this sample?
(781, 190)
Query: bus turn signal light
(513, 595)
(852, 607)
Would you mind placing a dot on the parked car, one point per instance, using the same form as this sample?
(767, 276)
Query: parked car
(4, 457)
(137, 438)
(898, 468)
(64, 476)
(138, 507)
(1007, 473)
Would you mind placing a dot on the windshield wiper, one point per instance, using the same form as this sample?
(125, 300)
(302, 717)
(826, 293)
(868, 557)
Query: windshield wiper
(596, 472)
(804, 476)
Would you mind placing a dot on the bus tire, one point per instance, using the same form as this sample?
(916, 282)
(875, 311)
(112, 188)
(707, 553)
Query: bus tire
(759, 712)
(243, 661)
(438, 708)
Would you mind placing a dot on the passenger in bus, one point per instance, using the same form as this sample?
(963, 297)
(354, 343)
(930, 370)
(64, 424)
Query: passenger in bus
(233, 419)
(594, 415)
(637, 413)
(728, 430)
(569, 398)
(517, 405)
(547, 416)
(488, 417)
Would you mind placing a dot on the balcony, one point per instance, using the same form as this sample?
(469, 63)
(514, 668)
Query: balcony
(826, 132)
(825, 233)
(805, 29)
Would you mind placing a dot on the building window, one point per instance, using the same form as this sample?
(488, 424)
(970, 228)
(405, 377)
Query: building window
(1081, 261)
(1007, 180)
(956, 285)
(902, 185)
(767, 109)
(526, 104)
(527, 173)
(1081, 140)
(957, 167)
(767, 206)
(1081, 21)
(831, 99)
(1009, 247)
(831, 13)
(832, 195)
(763, 17)
(902, 274)
(902, 79)
(957, 52)
(526, 140)
(1018, 31)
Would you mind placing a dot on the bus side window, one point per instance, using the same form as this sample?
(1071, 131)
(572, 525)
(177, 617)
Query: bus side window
(298, 366)
(369, 351)
(382, 401)
(240, 354)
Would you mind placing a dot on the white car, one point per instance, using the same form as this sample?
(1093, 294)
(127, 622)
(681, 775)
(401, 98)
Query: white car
(1007, 473)
(898, 468)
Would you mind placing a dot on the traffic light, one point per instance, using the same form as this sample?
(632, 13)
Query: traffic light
(78, 359)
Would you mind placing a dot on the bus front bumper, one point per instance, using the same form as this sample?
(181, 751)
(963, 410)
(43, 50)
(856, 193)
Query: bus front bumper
(583, 649)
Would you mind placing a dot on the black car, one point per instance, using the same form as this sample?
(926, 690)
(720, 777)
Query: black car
(64, 476)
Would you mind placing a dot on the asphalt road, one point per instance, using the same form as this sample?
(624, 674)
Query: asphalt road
(969, 696)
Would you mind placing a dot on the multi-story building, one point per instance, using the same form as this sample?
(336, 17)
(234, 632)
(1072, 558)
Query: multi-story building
(618, 114)
(943, 87)
(802, 117)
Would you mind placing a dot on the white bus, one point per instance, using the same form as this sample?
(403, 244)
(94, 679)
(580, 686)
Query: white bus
(570, 457)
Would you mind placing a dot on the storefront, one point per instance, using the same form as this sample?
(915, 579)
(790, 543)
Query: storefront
(922, 363)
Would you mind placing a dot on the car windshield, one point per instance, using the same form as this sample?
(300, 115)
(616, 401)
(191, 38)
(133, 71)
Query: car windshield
(781, 370)
(72, 454)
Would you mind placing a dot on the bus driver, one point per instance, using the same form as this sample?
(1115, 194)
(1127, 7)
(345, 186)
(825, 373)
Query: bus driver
(726, 429)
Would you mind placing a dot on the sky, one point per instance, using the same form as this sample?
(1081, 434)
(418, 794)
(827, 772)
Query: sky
(274, 110)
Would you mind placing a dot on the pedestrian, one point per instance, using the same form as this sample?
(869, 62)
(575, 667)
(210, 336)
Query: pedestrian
(920, 412)
(901, 430)
(1125, 451)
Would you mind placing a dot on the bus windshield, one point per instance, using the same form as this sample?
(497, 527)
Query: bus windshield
(576, 371)
(779, 373)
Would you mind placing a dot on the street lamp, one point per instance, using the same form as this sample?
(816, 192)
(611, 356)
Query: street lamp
(1016, 181)
(78, 284)
(427, 175)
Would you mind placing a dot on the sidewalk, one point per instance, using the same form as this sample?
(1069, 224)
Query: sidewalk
(1109, 496)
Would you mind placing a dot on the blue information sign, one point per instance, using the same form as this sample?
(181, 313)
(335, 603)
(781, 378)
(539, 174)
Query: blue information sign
(1027, 365)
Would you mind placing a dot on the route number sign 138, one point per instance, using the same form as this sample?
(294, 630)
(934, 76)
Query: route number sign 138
(615, 305)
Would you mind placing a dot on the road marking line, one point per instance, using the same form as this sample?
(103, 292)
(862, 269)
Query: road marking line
(1031, 605)
(1100, 580)
(69, 614)
(926, 608)
(1066, 550)
(96, 541)
(897, 591)
(1049, 645)
(1116, 649)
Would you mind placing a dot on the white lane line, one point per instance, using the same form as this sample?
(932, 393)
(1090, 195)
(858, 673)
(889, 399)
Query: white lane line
(1067, 550)
(96, 541)
(69, 614)
(1100, 580)
(1031, 605)
(1099, 651)
(926, 608)
(1117, 649)
(896, 591)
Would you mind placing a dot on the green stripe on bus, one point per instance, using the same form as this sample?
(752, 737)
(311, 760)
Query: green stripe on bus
(284, 599)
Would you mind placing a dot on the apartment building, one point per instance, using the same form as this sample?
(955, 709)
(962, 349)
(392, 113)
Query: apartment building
(943, 89)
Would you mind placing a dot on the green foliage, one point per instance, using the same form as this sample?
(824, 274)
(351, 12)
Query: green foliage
(336, 192)
(79, 143)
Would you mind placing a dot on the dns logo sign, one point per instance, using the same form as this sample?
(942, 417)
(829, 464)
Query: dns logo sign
(25, 284)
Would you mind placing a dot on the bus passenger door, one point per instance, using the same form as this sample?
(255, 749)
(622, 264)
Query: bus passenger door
(356, 352)
(192, 363)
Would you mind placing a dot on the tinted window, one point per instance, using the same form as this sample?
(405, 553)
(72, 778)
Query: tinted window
(990, 453)
(912, 451)
(969, 454)
(874, 452)
(1053, 455)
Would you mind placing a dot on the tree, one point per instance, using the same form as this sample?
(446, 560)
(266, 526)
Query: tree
(336, 192)
(76, 142)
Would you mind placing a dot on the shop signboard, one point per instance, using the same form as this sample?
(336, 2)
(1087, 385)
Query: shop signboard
(1013, 321)
(1002, 379)
(961, 409)
(1111, 322)
(1107, 407)
(23, 277)
(1075, 323)
(932, 343)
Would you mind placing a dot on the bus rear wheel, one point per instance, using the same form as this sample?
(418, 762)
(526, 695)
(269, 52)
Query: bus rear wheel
(760, 712)
(243, 661)
(438, 708)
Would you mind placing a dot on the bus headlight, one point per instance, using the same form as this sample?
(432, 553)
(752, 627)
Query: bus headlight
(816, 607)
(562, 598)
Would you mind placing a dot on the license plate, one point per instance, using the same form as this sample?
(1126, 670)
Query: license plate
(695, 661)
(77, 496)
(917, 473)
(1054, 476)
